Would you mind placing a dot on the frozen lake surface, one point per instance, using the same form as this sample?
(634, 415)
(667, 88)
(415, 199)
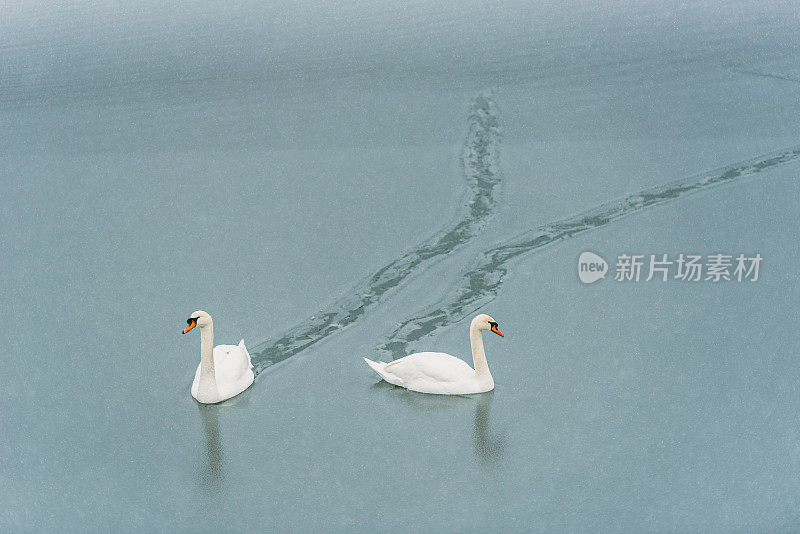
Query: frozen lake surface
(334, 183)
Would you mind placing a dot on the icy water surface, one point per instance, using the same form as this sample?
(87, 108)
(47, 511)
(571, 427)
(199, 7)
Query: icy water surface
(338, 181)
(479, 160)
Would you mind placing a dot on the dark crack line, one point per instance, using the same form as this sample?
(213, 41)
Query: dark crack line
(481, 284)
(764, 74)
(480, 165)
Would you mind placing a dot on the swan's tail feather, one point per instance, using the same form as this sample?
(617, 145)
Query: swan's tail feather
(244, 349)
(380, 368)
(376, 366)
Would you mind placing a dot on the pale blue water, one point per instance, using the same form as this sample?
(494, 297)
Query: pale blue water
(338, 182)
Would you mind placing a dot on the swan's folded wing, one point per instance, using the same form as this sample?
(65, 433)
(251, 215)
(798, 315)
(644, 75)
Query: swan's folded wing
(247, 354)
(430, 367)
(231, 362)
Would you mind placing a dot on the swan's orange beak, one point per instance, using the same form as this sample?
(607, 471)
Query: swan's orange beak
(189, 326)
(496, 330)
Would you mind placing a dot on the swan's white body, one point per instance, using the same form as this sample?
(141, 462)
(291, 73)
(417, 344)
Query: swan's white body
(439, 373)
(224, 371)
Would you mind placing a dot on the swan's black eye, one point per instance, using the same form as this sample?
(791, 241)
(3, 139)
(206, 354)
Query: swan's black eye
(492, 324)
(191, 320)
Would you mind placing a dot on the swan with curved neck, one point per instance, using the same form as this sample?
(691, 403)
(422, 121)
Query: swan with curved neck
(224, 371)
(439, 373)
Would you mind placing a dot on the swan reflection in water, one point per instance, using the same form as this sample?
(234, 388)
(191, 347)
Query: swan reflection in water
(488, 447)
(213, 475)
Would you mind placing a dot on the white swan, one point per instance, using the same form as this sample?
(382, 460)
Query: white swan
(435, 372)
(224, 370)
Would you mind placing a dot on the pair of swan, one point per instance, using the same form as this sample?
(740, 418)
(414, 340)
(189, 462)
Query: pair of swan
(226, 370)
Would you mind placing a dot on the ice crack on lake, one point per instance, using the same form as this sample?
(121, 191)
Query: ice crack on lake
(739, 69)
(480, 284)
(481, 169)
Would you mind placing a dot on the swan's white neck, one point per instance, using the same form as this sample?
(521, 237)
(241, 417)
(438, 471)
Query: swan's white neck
(478, 355)
(207, 349)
